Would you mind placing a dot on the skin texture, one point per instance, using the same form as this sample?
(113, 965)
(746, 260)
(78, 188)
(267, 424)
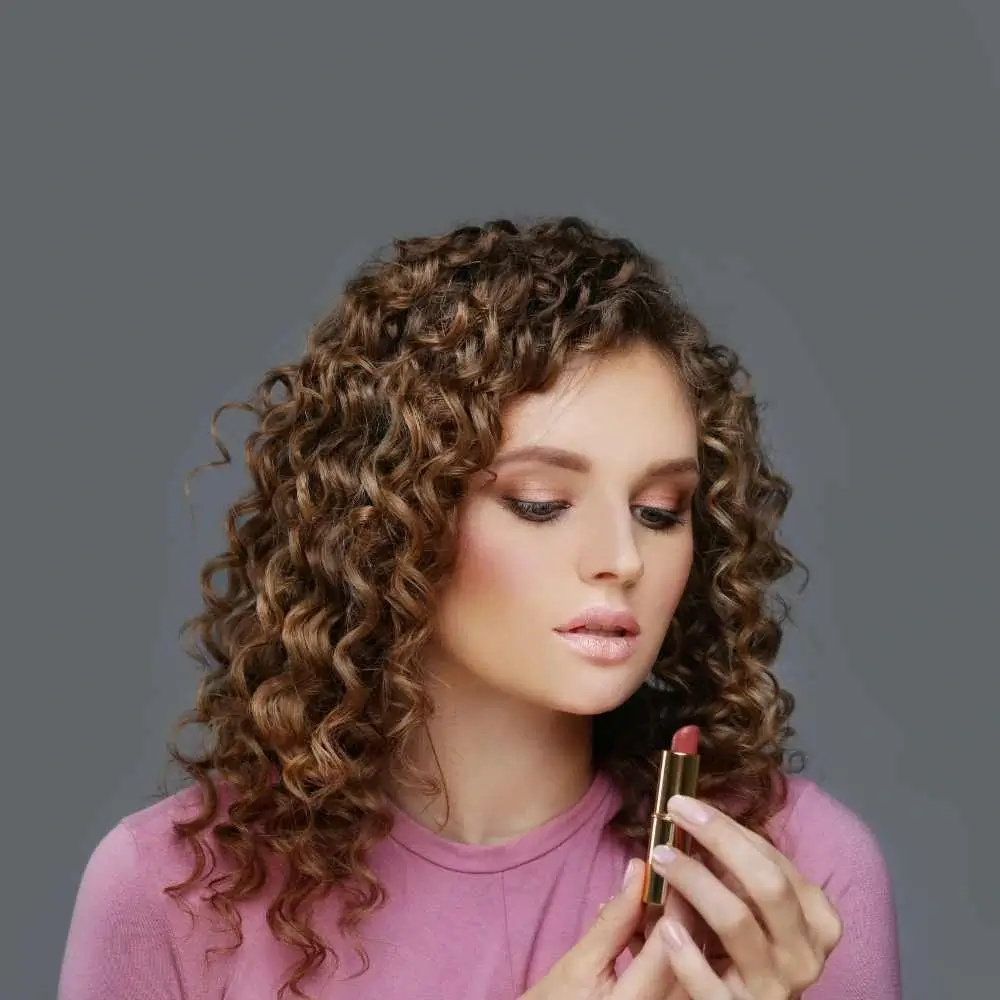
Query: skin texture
(501, 676)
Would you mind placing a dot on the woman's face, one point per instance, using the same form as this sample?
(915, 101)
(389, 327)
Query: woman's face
(590, 509)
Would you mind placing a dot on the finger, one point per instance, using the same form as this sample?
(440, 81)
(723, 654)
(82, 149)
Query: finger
(638, 939)
(738, 989)
(731, 919)
(762, 875)
(730, 881)
(676, 908)
(635, 944)
(798, 880)
(617, 921)
(823, 918)
(820, 913)
(649, 975)
(688, 965)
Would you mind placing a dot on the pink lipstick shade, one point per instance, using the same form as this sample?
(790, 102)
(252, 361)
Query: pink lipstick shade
(602, 634)
(603, 618)
(600, 648)
(686, 741)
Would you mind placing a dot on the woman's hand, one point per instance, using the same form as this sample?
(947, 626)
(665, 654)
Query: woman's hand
(587, 970)
(775, 928)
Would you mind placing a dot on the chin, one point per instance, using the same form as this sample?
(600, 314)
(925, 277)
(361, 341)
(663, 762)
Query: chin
(596, 695)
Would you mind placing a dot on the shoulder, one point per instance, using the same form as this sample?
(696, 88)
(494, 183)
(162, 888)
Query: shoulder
(140, 846)
(152, 830)
(133, 863)
(121, 938)
(135, 859)
(124, 932)
(829, 842)
(115, 874)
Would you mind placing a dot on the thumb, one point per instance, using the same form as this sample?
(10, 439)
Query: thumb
(615, 925)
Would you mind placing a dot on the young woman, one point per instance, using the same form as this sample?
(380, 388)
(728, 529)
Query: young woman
(428, 765)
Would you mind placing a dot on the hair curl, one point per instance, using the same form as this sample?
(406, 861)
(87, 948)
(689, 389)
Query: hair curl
(316, 613)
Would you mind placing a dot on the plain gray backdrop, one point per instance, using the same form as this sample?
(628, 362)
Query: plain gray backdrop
(185, 187)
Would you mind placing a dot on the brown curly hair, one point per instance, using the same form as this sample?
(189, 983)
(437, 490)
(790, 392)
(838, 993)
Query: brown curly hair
(316, 614)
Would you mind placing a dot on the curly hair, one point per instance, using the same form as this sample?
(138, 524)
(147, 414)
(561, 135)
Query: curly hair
(315, 615)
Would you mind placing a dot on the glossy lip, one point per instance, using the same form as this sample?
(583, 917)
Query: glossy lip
(603, 617)
(601, 648)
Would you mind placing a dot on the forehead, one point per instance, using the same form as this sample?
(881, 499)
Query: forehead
(631, 405)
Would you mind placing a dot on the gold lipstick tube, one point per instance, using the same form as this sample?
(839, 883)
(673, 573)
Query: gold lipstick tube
(678, 776)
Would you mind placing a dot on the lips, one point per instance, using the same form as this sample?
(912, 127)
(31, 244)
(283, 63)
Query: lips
(601, 634)
(602, 621)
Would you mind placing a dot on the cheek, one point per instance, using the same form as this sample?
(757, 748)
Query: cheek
(493, 562)
(671, 576)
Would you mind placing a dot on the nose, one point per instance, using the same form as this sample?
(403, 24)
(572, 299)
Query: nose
(609, 550)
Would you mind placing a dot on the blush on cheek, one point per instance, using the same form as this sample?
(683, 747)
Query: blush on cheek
(669, 578)
(671, 598)
(489, 558)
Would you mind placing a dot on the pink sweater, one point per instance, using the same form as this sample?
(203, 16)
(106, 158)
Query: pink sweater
(462, 921)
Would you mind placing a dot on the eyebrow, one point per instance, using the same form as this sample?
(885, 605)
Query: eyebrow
(575, 462)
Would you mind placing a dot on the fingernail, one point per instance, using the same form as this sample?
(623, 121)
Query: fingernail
(673, 935)
(690, 809)
(663, 855)
(631, 871)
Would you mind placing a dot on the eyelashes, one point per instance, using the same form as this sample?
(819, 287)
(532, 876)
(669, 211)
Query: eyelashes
(546, 511)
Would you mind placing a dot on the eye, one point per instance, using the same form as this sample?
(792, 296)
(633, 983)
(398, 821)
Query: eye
(658, 518)
(536, 510)
(540, 511)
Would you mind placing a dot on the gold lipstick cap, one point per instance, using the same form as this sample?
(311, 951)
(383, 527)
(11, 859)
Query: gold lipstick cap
(678, 776)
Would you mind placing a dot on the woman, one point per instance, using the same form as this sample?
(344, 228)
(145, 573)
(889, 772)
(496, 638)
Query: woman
(420, 779)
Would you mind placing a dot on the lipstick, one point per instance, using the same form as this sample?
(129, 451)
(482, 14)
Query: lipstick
(678, 775)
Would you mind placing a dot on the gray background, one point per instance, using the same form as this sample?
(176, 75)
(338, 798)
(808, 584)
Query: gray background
(185, 188)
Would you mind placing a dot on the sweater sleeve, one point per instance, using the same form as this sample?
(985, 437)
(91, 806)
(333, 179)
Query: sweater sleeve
(846, 860)
(120, 944)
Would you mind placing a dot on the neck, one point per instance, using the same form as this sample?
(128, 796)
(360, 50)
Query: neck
(506, 766)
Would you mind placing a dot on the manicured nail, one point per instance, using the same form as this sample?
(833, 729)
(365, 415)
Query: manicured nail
(633, 869)
(690, 809)
(663, 855)
(674, 936)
